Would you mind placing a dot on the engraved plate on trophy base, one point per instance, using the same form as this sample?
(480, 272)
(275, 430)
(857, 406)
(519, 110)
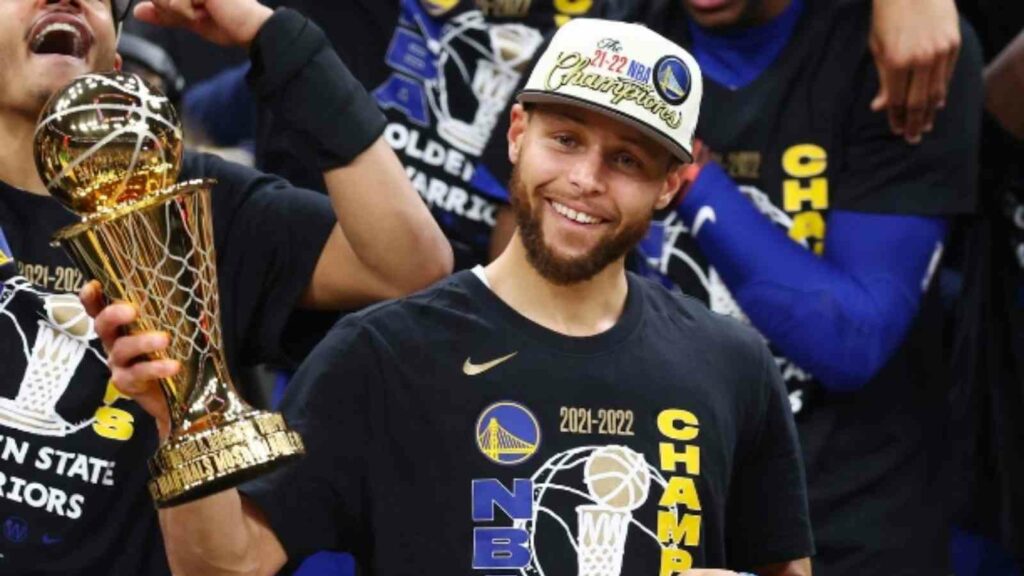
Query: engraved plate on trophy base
(198, 464)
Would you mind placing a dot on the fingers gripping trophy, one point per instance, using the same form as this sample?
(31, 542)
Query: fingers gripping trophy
(109, 147)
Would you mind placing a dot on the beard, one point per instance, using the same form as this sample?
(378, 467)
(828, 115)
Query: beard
(562, 270)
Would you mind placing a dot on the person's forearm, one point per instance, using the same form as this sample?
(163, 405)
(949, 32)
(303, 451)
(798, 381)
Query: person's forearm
(834, 316)
(386, 226)
(1004, 84)
(211, 536)
(386, 222)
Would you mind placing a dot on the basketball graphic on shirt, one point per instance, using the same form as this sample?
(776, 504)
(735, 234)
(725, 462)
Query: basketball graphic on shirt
(617, 477)
(66, 313)
(595, 504)
(107, 139)
(56, 339)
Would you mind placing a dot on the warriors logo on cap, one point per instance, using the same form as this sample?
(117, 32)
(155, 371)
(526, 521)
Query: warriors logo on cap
(672, 80)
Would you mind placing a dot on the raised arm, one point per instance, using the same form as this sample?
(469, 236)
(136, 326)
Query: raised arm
(387, 244)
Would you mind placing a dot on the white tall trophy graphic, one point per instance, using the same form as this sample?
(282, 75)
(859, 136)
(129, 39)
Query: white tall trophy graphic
(618, 480)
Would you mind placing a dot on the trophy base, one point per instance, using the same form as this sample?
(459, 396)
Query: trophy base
(194, 465)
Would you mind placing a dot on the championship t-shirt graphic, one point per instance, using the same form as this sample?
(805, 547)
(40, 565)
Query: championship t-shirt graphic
(584, 504)
(453, 74)
(65, 431)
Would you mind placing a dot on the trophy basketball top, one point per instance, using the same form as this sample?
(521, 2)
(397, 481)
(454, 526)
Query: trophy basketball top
(105, 141)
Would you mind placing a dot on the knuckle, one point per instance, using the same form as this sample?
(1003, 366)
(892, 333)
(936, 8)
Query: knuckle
(122, 381)
(902, 60)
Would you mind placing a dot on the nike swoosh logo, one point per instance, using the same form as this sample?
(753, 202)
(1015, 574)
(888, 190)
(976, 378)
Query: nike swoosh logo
(471, 369)
(704, 215)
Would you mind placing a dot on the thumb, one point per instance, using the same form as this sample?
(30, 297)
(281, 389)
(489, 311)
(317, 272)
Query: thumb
(148, 12)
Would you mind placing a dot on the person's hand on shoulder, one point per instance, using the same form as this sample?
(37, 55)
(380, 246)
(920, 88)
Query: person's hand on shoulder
(133, 369)
(915, 44)
(224, 22)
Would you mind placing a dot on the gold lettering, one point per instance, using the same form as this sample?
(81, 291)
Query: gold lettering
(794, 194)
(573, 7)
(569, 69)
(681, 490)
(804, 160)
(809, 226)
(685, 531)
(113, 423)
(674, 561)
(670, 458)
(669, 425)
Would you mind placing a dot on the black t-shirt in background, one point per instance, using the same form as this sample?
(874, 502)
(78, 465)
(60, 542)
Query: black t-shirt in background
(73, 452)
(447, 433)
(989, 350)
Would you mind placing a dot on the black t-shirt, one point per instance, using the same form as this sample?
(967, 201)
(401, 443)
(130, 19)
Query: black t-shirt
(445, 432)
(989, 351)
(73, 451)
(800, 140)
(445, 78)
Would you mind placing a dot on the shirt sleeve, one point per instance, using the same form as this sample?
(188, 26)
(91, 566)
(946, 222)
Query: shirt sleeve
(269, 236)
(767, 513)
(880, 172)
(317, 503)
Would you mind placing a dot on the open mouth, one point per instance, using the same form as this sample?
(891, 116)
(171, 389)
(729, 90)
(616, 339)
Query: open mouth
(61, 34)
(576, 216)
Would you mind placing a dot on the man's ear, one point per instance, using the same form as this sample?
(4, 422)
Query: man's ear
(118, 62)
(674, 186)
(516, 129)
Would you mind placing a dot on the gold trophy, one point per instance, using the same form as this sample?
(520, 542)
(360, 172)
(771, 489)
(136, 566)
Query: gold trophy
(109, 147)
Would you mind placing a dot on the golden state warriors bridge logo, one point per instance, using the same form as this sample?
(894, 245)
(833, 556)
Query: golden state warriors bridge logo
(672, 80)
(507, 433)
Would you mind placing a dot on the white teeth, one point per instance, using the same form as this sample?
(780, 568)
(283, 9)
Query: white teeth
(57, 27)
(573, 215)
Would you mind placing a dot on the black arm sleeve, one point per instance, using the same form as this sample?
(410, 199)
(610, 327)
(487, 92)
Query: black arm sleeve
(297, 74)
(317, 503)
(767, 513)
(879, 172)
(269, 237)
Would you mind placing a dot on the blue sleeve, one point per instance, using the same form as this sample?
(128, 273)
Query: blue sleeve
(840, 316)
(222, 107)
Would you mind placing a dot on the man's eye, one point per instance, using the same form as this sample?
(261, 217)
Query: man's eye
(627, 161)
(565, 140)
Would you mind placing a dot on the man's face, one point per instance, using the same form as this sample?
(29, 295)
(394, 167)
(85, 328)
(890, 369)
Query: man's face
(723, 13)
(45, 44)
(584, 188)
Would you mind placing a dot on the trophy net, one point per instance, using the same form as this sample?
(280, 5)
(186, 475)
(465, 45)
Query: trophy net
(158, 253)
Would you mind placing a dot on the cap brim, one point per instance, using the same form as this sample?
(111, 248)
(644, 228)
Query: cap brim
(541, 97)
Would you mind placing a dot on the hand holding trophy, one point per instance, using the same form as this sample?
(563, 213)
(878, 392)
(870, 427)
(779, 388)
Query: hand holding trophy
(109, 147)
